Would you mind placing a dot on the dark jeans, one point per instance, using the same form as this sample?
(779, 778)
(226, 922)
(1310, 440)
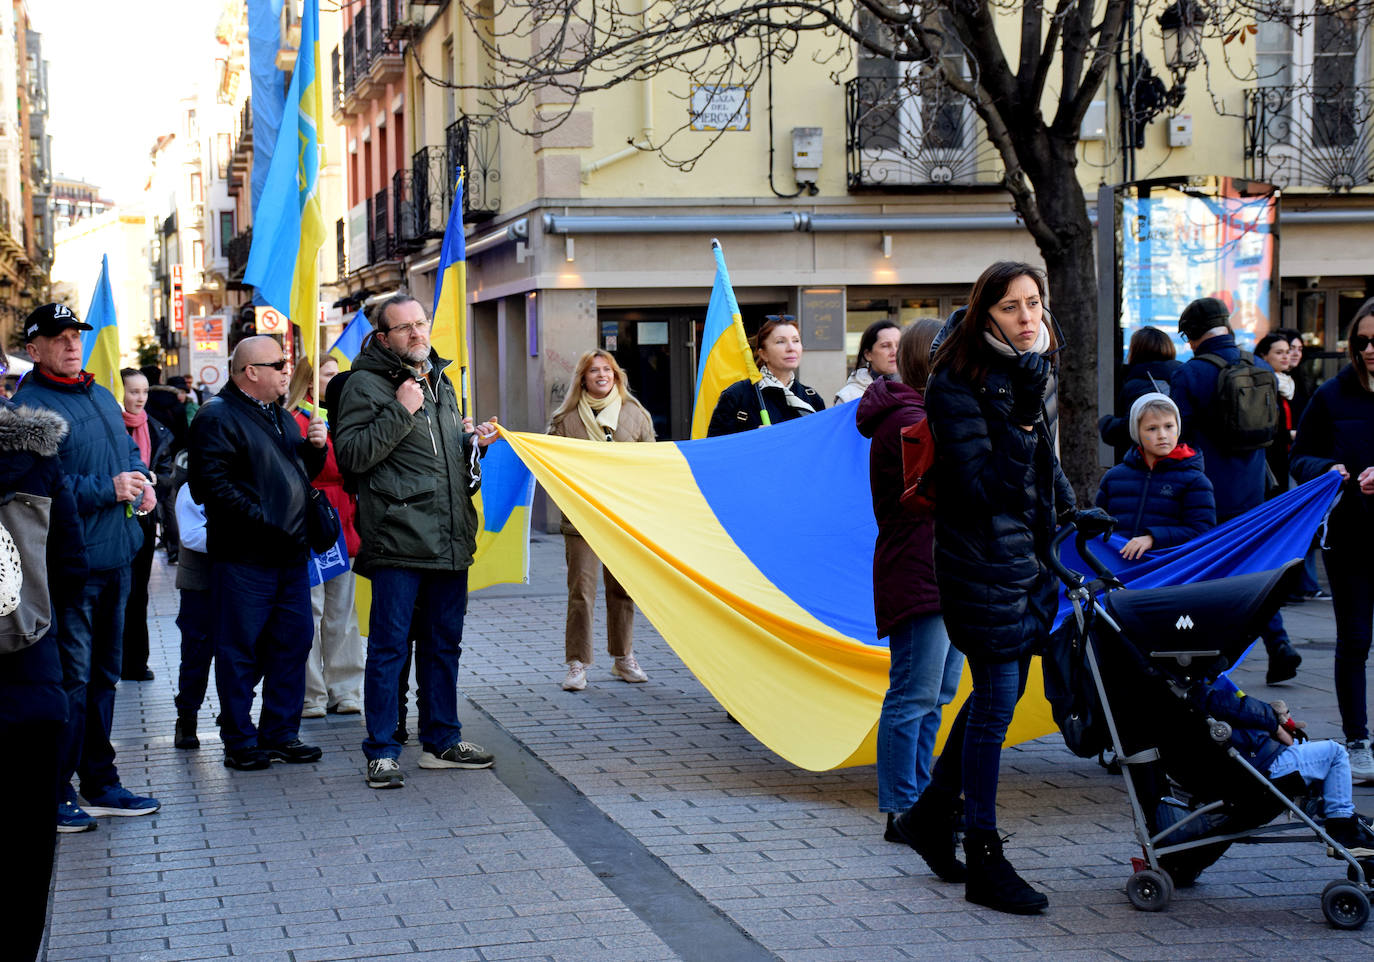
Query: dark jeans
(973, 752)
(197, 651)
(30, 820)
(1351, 573)
(427, 606)
(91, 638)
(135, 662)
(262, 629)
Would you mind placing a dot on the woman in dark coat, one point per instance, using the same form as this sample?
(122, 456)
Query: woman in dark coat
(33, 705)
(778, 353)
(925, 670)
(1337, 434)
(999, 493)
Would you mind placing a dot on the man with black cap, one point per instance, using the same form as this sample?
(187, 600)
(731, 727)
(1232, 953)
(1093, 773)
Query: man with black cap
(1237, 471)
(110, 482)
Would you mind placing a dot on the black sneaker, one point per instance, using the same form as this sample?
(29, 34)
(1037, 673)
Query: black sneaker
(293, 752)
(184, 733)
(250, 759)
(384, 773)
(457, 755)
(1283, 663)
(1352, 834)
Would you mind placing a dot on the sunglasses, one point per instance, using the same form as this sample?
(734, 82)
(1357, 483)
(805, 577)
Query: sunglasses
(274, 365)
(1360, 341)
(783, 318)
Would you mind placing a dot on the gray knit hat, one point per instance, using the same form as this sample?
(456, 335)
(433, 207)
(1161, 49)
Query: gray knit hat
(1138, 410)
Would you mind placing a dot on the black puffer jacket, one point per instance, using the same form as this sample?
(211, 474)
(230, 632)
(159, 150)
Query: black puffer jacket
(738, 407)
(998, 490)
(246, 464)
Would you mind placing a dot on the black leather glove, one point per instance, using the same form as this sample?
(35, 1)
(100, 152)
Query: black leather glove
(1094, 521)
(1029, 379)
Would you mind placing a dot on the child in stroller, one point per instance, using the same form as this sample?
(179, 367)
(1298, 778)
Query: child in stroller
(1182, 730)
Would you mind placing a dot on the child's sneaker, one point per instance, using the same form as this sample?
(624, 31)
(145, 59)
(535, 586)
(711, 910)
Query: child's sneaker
(1352, 834)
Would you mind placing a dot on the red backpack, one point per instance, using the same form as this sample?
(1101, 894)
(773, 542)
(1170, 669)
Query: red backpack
(918, 467)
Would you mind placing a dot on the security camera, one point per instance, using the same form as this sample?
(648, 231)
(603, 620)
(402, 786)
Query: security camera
(1314, 282)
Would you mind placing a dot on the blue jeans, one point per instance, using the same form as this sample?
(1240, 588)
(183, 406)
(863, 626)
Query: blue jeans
(262, 629)
(924, 677)
(90, 638)
(197, 651)
(429, 607)
(981, 728)
(1352, 601)
(1326, 762)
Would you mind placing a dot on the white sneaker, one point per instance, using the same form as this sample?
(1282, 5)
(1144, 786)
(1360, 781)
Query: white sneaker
(627, 669)
(312, 711)
(576, 679)
(1361, 760)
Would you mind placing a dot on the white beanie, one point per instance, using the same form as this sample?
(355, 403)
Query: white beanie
(1138, 409)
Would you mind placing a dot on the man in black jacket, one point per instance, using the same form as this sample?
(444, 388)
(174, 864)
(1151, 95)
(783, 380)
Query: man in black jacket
(249, 467)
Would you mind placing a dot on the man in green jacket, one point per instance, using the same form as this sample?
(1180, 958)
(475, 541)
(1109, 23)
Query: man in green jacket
(400, 431)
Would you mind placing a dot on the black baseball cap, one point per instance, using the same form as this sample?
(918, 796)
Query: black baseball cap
(1201, 316)
(51, 320)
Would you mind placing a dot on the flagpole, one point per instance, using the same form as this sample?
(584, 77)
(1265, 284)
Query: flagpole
(315, 364)
(764, 419)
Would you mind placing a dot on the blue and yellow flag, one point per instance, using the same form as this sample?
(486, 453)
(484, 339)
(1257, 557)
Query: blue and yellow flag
(791, 650)
(100, 345)
(288, 227)
(350, 340)
(450, 315)
(725, 353)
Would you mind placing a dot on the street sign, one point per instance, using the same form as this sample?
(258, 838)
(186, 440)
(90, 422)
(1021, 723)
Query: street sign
(178, 302)
(271, 321)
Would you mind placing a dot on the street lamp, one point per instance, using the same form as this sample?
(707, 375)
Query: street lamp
(1180, 26)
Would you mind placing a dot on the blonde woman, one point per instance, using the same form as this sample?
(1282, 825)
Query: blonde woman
(599, 407)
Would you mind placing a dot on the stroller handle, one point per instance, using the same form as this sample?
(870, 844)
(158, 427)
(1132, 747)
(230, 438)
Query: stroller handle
(1073, 579)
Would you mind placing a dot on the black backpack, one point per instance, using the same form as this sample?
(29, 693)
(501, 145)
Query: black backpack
(1244, 413)
(333, 393)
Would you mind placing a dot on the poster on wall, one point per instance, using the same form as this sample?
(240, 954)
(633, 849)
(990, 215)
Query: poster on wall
(1178, 240)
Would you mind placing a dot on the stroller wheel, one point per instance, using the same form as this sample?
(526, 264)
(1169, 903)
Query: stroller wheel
(1344, 905)
(1150, 891)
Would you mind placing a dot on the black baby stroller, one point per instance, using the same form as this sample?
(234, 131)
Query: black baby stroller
(1192, 794)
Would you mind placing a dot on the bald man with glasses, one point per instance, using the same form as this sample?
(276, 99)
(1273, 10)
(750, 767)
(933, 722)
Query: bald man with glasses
(249, 468)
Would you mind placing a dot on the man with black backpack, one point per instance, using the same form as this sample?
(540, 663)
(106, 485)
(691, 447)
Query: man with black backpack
(1228, 400)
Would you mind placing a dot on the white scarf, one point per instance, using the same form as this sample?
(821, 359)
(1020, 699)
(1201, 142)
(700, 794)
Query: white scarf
(1285, 384)
(600, 416)
(769, 379)
(1041, 345)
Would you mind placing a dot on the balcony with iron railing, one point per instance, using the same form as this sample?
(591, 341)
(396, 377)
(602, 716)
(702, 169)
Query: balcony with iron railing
(913, 133)
(242, 154)
(381, 242)
(473, 140)
(422, 196)
(1306, 136)
(236, 252)
(385, 63)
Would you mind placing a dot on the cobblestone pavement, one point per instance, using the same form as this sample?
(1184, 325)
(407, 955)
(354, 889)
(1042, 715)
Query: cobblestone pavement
(306, 863)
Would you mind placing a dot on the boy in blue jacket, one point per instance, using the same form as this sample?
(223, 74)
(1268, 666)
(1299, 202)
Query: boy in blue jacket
(1158, 494)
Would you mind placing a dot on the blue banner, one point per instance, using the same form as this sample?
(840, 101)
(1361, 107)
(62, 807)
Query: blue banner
(269, 86)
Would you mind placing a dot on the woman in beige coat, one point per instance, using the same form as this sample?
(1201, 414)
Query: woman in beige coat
(599, 407)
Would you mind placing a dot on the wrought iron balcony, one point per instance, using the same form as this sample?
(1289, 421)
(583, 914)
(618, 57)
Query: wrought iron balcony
(422, 196)
(236, 251)
(473, 140)
(381, 242)
(913, 133)
(1305, 136)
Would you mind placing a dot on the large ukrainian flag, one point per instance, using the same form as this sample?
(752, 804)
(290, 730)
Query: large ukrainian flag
(725, 353)
(450, 316)
(765, 589)
(100, 345)
(288, 227)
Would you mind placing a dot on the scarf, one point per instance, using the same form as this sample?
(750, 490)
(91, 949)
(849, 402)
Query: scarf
(600, 416)
(137, 425)
(1285, 384)
(769, 379)
(1041, 345)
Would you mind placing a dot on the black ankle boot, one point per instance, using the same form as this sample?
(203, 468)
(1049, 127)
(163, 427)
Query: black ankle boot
(1283, 663)
(929, 828)
(991, 879)
(184, 734)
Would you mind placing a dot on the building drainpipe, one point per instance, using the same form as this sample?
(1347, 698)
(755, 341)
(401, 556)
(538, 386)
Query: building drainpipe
(646, 129)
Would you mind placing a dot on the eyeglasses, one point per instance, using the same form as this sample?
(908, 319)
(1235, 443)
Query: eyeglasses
(782, 318)
(406, 328)
(275, 365)
(1360, 341)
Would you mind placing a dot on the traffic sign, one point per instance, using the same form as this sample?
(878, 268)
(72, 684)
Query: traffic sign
(271, 321)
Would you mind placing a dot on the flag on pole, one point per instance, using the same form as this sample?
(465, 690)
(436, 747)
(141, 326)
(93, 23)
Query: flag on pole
(350, 340)
(288, 228)
(450, 316)
(100, 345)
(725, 353)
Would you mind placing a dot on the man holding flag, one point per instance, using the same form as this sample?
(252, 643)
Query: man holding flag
(400, 429)
(110, 481)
